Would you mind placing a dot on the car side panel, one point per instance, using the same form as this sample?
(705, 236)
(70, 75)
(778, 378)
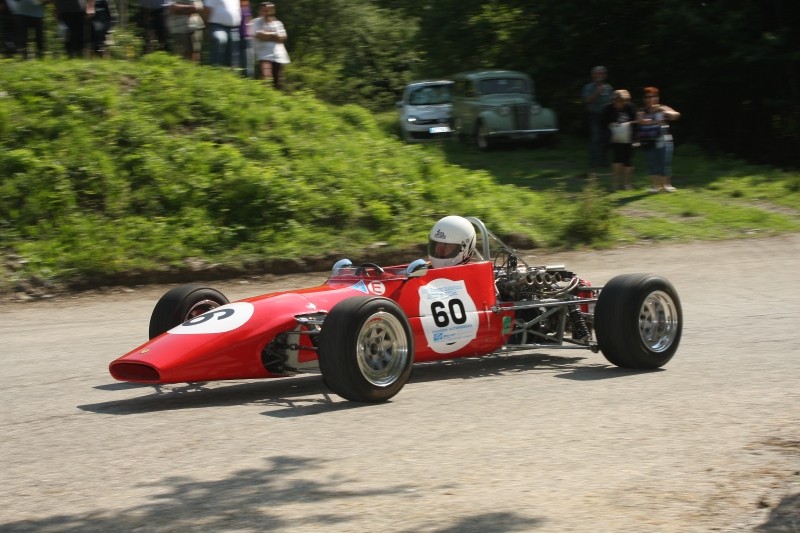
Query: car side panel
(497, 111)
(450, 312)
(544, 120)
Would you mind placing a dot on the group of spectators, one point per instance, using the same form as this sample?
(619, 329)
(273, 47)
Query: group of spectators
(79, 22)
(616, 122)
(236, 39)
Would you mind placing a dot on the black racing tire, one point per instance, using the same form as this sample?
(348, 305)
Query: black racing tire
(366, 349)
(638, 321)
(181, 304)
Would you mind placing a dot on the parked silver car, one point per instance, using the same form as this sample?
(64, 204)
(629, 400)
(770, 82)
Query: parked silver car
(490, 105)
(425, 110)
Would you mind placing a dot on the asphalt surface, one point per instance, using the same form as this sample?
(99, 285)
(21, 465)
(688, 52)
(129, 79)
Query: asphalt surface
(544, 441)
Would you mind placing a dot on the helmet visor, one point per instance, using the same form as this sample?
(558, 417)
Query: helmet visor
(443, 250)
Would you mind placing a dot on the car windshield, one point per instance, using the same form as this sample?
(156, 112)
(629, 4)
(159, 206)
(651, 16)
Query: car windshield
(430, 95)
(504, 86)
(356, 271)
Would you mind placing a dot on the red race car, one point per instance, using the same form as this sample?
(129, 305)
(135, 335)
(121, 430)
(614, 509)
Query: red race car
(366, 326)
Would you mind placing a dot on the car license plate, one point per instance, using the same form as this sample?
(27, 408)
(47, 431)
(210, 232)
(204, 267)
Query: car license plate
(439, 129)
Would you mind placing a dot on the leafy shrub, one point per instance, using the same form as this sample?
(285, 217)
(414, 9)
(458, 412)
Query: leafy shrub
(115, 165)
(591, 219)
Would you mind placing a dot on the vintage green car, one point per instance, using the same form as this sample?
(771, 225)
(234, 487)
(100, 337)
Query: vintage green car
(493, 105)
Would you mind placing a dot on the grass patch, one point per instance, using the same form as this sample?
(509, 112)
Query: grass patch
(110, 167)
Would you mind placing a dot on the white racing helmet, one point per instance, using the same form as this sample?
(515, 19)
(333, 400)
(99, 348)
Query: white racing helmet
(451, 242)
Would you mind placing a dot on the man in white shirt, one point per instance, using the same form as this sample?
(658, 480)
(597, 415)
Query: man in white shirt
(224, 17)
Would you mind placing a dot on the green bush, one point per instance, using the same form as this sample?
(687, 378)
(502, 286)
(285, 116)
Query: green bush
(114, 165)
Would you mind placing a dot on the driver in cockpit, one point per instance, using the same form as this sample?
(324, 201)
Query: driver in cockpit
(451, 242)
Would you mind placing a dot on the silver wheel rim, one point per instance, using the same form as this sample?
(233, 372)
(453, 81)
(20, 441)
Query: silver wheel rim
(658, 321)
(382, 349)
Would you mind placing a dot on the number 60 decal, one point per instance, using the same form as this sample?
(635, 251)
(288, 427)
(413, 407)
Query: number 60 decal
(448, 315)
(219, 320)
(457, 314)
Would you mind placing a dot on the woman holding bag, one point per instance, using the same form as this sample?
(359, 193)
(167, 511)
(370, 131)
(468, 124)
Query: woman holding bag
(620, 117)
(656, 141)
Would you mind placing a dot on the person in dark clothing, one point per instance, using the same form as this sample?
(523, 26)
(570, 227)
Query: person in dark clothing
(102, 22)
(620, 118)
(596, 95)
(153, 21)
(74, 14)
(8, 36)
(28, 15)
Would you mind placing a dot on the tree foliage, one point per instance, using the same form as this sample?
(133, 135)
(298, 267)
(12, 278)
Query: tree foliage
(731, 67)
(350, 52)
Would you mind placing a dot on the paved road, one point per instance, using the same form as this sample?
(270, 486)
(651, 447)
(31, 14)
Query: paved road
(555, 441)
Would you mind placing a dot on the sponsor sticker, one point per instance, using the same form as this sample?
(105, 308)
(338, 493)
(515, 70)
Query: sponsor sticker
(360, 286)
(376, 287)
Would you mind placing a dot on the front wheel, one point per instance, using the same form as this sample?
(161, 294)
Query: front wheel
(366, 349)
(638, 321)
(183, 303)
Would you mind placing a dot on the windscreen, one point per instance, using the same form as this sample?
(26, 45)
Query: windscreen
(431, 95)
(504, 86)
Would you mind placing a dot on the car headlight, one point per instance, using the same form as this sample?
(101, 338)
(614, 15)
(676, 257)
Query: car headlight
(411, 119)
(503, 110)
(536, 109)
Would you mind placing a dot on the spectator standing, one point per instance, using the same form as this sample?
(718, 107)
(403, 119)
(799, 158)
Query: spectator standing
(74, 15)
(224, 18)
(246, 56)
(102, 22)
(596, 95)
(620, 118)
(656, 140)
(9, 34)
(186, 28)
(28, 15)
(153, 21)
(271, 53)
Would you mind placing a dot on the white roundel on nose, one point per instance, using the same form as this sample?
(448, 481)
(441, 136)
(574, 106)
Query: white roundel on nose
(218, 320)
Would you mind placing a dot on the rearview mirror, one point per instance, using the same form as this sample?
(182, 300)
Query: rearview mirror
(340, 264)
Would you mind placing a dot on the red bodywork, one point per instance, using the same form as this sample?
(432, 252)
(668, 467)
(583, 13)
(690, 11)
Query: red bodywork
(449, 310)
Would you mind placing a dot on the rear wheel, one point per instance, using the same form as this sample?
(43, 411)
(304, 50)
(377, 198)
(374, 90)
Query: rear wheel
(638, 321)
(366, 349)
(181, 304)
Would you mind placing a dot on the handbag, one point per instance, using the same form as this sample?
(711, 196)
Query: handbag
(621, 133)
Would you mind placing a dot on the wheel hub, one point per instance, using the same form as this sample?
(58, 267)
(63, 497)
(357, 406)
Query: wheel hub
(382, 349)
(658, 321)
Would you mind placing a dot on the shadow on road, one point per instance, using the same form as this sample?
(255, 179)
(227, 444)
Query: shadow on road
(308, 395)
(253, 500)
(783, 518)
